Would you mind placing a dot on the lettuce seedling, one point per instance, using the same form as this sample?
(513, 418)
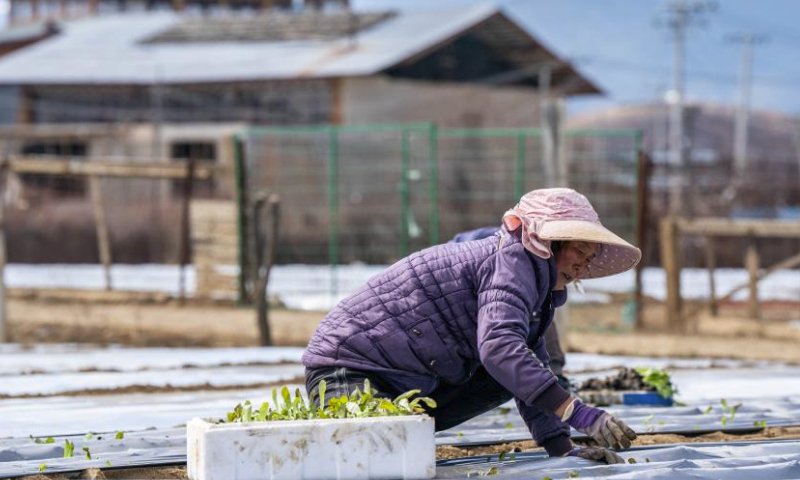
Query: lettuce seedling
(42, 440)
(69, 449)
(658, 379)
(359, 404)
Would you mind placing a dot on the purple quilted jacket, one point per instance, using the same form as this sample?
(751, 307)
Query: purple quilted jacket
(440, 313)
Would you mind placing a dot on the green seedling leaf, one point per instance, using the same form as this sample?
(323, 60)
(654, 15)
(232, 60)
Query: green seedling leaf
(724, 404)
(760, 423)
(659, 380)
(648, 419)
(708, 409)
(108, 463)
(42, 467)
(662, 422)
(547, 478)
(646, 460)
(89, 436)
(504, 410)
(735, 409)
(88, 455)
(509, 425)
(69, 449)
(724, 421)
(573, 474)
(119, 436)
(360, 404)
(323, 385)
(406, 395)
(491, 471)
(502, 456)
(42, 440)
(459, 434)
(631, 460)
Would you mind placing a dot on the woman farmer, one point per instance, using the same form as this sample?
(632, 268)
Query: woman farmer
(456, 322)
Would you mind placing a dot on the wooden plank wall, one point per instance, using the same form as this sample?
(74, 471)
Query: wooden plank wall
(215, 248)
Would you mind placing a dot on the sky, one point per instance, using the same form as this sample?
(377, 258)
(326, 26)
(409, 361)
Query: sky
(620, 45)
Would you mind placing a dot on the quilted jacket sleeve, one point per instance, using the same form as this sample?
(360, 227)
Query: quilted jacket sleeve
(507, 296)
(548, 431)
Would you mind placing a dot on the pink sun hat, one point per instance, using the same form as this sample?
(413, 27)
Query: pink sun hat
(564, 214)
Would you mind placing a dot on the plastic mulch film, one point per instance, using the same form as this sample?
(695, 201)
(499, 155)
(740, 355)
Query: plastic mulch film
(505, 425)
(168, 446)
(767, 460)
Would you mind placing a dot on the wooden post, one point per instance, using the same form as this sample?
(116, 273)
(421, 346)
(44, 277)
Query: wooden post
(103, 244)
(4, 337)
(751, 263)
(641, 232)
(185, 247)
(268, 258)
(670, 261)
(711, 264)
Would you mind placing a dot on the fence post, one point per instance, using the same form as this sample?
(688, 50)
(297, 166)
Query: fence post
(642, 213)
(405, 198)
(333, 206)
(4, 337)
(751, 263)
(433, 165)
(101, 228)
(711, 264)
(266, 245)
(670, 261)
(185, 247)
(240, 180)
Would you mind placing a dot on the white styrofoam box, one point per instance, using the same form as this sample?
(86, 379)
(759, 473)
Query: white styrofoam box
(354, 448)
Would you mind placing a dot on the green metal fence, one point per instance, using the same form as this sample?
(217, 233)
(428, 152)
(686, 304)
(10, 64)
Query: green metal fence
(373, 194)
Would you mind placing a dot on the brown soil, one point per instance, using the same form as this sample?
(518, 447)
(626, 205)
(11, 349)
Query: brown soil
(59, 317)
(129, 389)
(151, 324)
(773, 433)
(155, 473)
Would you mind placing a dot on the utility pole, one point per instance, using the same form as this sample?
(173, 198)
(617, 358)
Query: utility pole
(747, 40)
(681, 15)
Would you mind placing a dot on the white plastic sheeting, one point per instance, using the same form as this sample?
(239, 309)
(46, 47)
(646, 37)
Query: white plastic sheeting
(308, 286)
(505, 425)
(769, 460)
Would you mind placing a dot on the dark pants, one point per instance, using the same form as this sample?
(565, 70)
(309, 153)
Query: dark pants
(455, 403)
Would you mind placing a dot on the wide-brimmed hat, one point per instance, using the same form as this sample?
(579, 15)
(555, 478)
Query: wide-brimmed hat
(563, 214)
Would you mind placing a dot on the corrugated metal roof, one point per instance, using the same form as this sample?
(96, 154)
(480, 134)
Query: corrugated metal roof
(273, 27)
(112, 49)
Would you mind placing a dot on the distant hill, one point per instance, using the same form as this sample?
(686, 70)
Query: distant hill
(772, 136)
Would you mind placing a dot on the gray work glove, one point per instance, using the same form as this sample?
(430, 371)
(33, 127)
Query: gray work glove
(604, 429)
(597, 454)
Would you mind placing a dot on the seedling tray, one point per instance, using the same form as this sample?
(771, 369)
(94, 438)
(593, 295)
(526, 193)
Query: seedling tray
(625, 397)
(399, 447)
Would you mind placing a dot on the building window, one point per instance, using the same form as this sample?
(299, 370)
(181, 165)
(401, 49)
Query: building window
(60, 184)
(204, 154)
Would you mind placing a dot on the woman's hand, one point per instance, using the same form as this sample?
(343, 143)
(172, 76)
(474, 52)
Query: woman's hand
(603, 428)
(597, 454)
